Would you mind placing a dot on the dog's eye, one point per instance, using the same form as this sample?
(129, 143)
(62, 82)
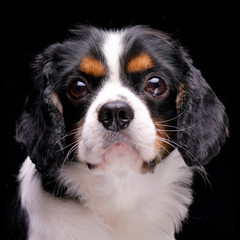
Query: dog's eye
(77, 90)
(156, 86)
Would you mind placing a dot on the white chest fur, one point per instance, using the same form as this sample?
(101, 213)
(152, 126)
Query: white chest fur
(129, 206)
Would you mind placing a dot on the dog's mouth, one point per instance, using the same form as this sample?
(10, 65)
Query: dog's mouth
(119, 151)
(116, 147)
(112, 139)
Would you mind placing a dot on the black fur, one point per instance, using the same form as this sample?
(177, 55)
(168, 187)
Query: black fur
(201, 117)
(41, 128)
(204, 118)
(192, 105)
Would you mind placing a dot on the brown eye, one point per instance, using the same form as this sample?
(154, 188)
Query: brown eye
(77, 90)
(156, 86)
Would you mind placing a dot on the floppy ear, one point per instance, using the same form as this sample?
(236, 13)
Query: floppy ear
(41, 127)
(202, 120)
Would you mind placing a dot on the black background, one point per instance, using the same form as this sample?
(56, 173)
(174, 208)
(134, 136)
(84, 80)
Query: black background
(209, 37)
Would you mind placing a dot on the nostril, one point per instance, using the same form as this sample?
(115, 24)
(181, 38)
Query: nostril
(125, 114)
(108, 115)
(122, 115)
(115, 116)
(105, 115)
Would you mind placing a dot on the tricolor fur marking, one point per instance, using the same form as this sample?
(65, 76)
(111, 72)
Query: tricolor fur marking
(115, 126)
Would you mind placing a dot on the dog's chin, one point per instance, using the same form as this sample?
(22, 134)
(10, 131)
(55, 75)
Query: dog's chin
(118, 158)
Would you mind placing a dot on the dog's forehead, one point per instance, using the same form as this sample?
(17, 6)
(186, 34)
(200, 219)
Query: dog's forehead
(103, 56)
(116, 48)
(121, 53)
(110, 49)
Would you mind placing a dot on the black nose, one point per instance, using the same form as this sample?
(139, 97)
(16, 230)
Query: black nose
(115, 116)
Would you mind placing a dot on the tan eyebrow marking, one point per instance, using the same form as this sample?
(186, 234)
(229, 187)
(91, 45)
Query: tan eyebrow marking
(140, 63)
(92, 66)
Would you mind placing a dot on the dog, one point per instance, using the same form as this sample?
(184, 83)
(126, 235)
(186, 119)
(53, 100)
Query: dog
(116, 125)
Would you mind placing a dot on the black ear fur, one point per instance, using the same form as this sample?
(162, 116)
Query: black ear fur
(202, 116)
(41, 127)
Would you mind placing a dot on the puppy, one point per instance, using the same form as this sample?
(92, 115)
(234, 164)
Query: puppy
(114, 128)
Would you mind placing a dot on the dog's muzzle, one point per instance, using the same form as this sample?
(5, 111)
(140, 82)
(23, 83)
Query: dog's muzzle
(115, 116)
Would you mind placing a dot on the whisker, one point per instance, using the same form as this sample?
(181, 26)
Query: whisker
(168, 120)
(176, 128)
(200, 169)
(73, 132)
(174, 144)
(165, 149)
(68, 145)
(165, 125)
(72, 149)
(203, 174)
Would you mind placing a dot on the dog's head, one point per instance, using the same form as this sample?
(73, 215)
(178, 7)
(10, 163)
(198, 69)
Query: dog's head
(119, 99)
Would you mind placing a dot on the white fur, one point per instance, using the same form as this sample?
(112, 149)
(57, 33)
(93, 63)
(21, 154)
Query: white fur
(130, 206)
(141, 131)
(112, 50)
(140, 134)
(116, 201)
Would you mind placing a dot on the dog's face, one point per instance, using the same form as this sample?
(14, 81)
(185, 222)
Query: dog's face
(119, 100)
(129, 93)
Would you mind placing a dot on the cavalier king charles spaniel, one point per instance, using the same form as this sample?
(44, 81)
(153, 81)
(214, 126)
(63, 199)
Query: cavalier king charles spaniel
(116, 125)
